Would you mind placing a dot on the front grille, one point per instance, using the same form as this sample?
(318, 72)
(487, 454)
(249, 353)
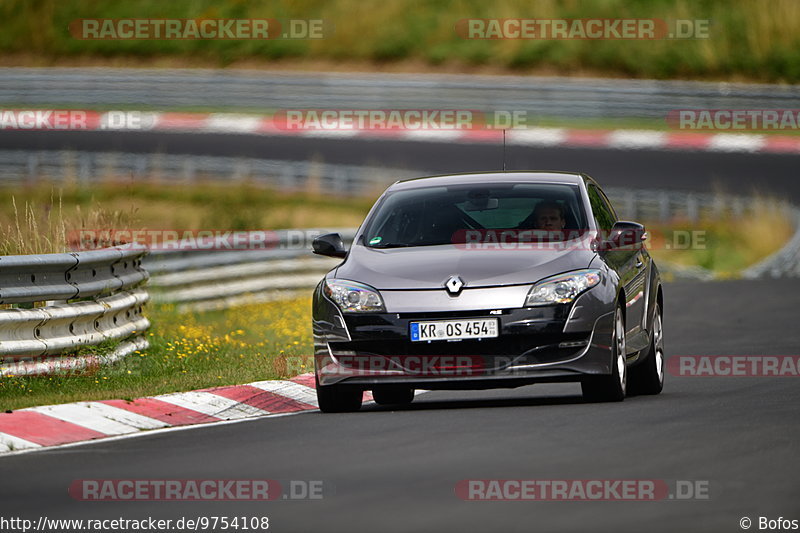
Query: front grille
(495, 353)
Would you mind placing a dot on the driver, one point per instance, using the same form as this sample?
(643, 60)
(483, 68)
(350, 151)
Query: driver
(547, 215)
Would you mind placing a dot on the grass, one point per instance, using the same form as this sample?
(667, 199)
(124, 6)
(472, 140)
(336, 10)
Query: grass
(725, 246)
(748, 40)
(47, 215)
(187, 352)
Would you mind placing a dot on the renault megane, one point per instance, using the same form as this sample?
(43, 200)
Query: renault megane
(488, 280)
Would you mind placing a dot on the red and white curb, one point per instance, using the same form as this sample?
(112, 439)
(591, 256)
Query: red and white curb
(53, 425)
(619, 138)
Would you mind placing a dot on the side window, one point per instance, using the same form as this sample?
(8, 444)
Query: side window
(608, 204)
(602, 211)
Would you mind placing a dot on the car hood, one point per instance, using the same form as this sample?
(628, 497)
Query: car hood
(429, 267)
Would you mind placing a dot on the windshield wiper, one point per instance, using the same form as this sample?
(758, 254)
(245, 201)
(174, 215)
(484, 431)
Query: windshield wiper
(392, 245)
(410, 245)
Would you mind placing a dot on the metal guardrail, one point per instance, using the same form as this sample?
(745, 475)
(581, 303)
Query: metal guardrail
(214, 279)
(660, 205)
(89, 298)
(24, 166)
(542, 96)
(36, 278)
(27, 166)
(664, 205)
(55, 328)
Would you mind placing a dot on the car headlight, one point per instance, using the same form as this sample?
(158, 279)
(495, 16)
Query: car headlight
(562, 289)
(353, 297)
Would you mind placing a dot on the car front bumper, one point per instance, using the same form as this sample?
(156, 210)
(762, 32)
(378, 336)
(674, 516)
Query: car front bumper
(535, 344)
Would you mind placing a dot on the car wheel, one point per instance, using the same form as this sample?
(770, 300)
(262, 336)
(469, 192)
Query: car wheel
(648, 376)
(610, 388)
(393, 395)
(338, 398)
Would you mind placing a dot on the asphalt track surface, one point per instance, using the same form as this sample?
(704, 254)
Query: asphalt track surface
(396, 470)
(739, 173)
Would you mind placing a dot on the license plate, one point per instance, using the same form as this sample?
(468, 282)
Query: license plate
(444, 330)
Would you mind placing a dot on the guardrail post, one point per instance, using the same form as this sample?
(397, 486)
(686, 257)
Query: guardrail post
(140, 167)
(188, 169)
(752, 205)
(33, 167)
(718, 207)
(337, 182)
(736, 207)
(240, 170)
(285, 178)
(84, 170)
(663, 206)
(629, 201)
(691, 208)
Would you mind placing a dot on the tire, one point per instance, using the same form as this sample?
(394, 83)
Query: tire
(393, 395)
(648, 376)
(611, 387)
(338, 398)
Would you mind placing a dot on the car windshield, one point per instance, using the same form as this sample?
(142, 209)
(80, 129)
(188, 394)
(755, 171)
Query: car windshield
(446, 215)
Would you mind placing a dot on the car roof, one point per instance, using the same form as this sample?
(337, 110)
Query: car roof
(571, 178)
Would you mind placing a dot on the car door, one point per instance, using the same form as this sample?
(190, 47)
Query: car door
(628, 262)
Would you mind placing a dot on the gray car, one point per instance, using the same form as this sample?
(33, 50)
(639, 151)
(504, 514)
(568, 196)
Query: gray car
(488, 280)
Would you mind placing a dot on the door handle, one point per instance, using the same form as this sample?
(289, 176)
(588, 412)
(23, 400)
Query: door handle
(639, 263)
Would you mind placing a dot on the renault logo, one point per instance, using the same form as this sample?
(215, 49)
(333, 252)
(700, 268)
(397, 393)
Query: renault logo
(454, 285)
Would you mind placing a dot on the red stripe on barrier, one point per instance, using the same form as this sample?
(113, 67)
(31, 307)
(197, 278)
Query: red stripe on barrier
(587, 138)
(255, 397)
(43, 429)
(687, 140)
(267, 126)
(482, 135)
(782, 144)
(382, 134)
(163, 411)
(182, 121)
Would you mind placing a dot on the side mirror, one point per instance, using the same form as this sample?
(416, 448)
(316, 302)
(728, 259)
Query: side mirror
(330, 245)
(625, 236)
